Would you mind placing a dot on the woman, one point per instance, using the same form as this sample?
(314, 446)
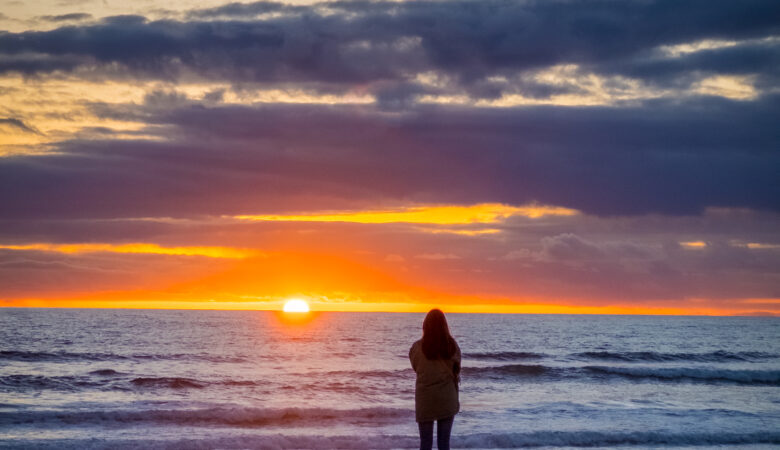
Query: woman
(436, 360)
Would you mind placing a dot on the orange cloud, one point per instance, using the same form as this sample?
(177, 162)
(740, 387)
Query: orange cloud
(484, 213)
(694, 245)
(141, 248)
(760, 246)
(462, 232)
(767, 301)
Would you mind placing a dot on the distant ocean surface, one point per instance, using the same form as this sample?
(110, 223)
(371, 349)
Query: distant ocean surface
(243, 379)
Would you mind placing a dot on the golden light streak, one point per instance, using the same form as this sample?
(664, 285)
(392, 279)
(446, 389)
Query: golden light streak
(59, 106)
(733, 87)
(754, 245)
(485, 213)
(139, 248)
(593, 89)
(760, 246)
(481, 232)
(695, 245)
(675, 51)
(768, 301)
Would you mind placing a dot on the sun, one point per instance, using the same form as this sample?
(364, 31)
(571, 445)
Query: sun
(297, 306)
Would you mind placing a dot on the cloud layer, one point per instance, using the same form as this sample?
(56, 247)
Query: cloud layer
(658, 157)
(409, 142)
(485, 48)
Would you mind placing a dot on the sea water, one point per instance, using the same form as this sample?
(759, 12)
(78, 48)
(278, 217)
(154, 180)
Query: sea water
(73, 378)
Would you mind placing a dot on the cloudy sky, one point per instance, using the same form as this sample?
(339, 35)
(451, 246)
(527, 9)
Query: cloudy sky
(480, 155)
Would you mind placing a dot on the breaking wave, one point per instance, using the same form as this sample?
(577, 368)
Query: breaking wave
(109, 379)
(717, 356)
(771, 377)
(105, 379)
(657, 374)
(508, 370)
(16, 355)
(504, 356)
(105, 372)
(168, 382)
(11, 383)
(219, 416)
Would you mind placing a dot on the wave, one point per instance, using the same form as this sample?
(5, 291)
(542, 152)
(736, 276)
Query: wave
(604, 439)
(717, 356)
(504, 356)
(168, 382)
(108, 379)
(509, 369)
(479, 440)
(105, 372)
(15, 355)
(217, 416)
(771, 377)
(383, 374)
(14, 383)
(663, 374)
(63, 356)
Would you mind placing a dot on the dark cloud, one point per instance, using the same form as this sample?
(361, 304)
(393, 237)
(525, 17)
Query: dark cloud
(345, 44)
(570, 247)
(659, 157)
(761, 59)
(242, 10)
(33, 63)
(72, 17)
(18, 124)
(634, 265)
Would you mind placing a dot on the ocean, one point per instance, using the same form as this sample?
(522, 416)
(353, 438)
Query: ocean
(81, 378)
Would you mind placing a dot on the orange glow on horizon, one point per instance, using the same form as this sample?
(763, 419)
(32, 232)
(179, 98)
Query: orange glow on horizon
(132, 301)
(340, 279)
(333, 282)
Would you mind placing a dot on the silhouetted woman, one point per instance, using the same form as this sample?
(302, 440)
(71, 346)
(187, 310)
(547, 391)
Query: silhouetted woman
(436, 360)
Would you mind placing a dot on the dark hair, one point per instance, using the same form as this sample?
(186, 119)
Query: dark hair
(437, 341)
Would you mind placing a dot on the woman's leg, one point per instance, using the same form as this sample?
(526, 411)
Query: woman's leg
(443, 430)
(426, 435)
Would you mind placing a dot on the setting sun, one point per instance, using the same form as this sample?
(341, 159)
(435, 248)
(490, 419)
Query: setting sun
(298, 306)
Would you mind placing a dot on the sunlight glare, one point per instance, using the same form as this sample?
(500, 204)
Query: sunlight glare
(297, 306)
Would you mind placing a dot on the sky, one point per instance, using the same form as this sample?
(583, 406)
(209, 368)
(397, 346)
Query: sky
(477, 155)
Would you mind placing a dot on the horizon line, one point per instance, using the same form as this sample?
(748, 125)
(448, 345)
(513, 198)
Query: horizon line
(757, 314)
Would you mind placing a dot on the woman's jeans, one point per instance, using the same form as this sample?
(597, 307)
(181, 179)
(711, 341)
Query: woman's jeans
(443, 429)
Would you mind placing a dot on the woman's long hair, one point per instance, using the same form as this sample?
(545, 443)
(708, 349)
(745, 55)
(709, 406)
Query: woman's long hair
(437, 341)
